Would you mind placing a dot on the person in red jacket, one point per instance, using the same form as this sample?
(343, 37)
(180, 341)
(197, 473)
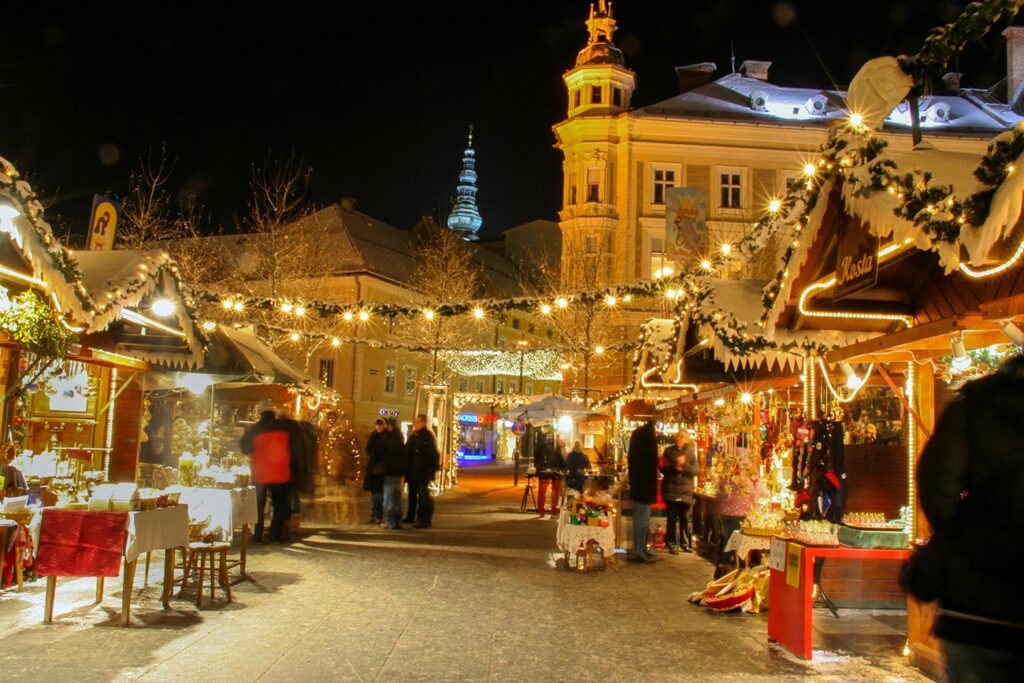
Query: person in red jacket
(269, 442)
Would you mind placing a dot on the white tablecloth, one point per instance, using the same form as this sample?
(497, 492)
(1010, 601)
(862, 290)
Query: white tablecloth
(223, 510)
(570, 536)
(743, 544)
(147, 530)
(156, 529)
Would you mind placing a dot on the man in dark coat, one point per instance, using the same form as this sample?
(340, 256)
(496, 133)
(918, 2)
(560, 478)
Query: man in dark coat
(373, 479)
(550, 466)
(970, 481)
(425, 461)
(270, 443)
(394, 457)
(578, 465)
(643, 486)
(677, 490)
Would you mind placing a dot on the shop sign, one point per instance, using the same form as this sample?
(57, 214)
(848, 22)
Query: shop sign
(856, 259)
(777, 558)
(389, 412)
(473, 419)
(592, 427)
(794, 557)
(106, 213)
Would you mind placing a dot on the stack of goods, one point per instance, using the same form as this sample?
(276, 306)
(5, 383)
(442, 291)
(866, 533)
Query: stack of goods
(763, 522)
(589, 513)
(815, 533)
(870, 520)
(873, 530)
(742, 589)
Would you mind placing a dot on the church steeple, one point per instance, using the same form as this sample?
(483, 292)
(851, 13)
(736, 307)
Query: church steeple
(465, 217)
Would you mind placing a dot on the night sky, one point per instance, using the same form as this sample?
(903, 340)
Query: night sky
(376, 97)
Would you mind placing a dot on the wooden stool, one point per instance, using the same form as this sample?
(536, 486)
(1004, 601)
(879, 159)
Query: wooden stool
(200, 552)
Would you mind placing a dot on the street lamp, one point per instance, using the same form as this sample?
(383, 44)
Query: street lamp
(522, 345)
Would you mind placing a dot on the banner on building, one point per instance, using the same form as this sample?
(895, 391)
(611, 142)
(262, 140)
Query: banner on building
(106, 214)
(686, 210)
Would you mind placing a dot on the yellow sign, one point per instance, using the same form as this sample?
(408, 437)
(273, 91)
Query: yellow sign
(106, 214)
(794, 557)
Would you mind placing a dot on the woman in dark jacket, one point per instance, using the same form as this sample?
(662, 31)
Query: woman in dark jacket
(578, 465)
(970, 480)
(677, 491)
(373, 479)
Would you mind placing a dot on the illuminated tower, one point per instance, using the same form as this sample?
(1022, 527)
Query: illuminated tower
(465, 217)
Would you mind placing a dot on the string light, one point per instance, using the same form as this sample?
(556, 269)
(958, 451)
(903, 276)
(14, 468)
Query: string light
(478, 313)
(209, 326)
(705, 264)
(829, 284)
(364, 316)
(545, 309)
(995, 270)
(428, 314)
(239, 307)
(295, 336)
(610, 300)
(542, 364)
(726, 249)
(745, 397)
(856, 120)
(911, 446)
(810, 170)
(228, 304)
(627, 298)
(1010, 168)
(348, 316)
(860, 383)
(774, 205)
(599, 350)
(335, 342)
(286, 308)
(300, 311)
(561, 302)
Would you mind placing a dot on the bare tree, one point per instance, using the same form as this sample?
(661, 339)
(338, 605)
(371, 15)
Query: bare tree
(148, 214)
(446, 272)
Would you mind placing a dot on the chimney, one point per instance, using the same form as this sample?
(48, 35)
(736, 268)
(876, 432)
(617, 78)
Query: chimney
(1014, 61)
(348, 204)
(952, 81)
(693, 76)
(754, 69)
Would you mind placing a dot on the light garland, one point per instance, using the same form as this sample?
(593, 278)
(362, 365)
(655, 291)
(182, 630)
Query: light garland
(911, 447)
(831, 388)
(541, 365)
(829, 284)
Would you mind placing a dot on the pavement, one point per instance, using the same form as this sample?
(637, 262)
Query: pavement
(477, 598)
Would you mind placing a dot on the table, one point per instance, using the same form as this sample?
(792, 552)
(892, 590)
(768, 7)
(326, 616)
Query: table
(224, 510)
(161, 529)
(570, 536)
(790, 615)
(744, 544)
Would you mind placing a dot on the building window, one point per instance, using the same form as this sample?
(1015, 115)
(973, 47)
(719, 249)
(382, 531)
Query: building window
(730, 183)
(529, 388)
(576, 97)
(595, 94)
(617, 97)
(479, 386)
(593, 184)
(571, 199)
(390, 372)
(463, 384)
(531, 329)
(326, 374)
(515, 323)
(664, 178)
(500, 386)
(513, 386)
(550, 333)
(590, 244)
(410, 381)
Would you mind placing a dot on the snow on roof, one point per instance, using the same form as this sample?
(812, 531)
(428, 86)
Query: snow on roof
(732, 97)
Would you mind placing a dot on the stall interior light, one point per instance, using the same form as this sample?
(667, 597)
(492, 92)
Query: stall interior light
(853, 381)
(746, 397)
(565, 424)
(195, 382)
(961, 359)
(719, 402)
(1013, 333)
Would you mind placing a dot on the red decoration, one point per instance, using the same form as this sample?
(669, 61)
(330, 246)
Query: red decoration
(81, 543)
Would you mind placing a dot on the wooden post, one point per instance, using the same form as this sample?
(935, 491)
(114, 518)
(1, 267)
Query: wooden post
(925, 648)
(99, 589)
(168, 577)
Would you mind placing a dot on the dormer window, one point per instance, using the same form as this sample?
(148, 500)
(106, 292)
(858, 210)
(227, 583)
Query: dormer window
(595, 94)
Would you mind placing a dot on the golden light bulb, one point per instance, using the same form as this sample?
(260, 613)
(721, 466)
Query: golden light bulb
(478, 313)
(774, 205)
(300, 310)
(561, 302)
(286, 308)
(610, 300)
(335, 341)
(239, 306)
(856, 120)
(428, 314)
(364, 316)
(705, 264)
(545, 309)
(599, 350)
(1010, 168)
(746, 397)
(347, 316)
(726, 249)
(295, 336)
(209, 326)
(228, 303)
(810, 170)
(627, 298)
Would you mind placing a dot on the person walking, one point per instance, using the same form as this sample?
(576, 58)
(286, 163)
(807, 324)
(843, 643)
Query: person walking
(373, 479)
(678, 472)
(970, 479)
(577, 464)
(269, 442)
(642, 462)
(550, 465)
(394, 457)
(425, 464)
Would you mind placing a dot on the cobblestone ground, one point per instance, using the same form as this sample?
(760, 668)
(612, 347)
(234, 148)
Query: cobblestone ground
(477, 598)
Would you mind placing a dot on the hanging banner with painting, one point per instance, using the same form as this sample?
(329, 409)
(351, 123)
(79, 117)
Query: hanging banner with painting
(686, 210)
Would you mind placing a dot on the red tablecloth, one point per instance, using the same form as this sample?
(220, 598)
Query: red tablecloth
(81, 543)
